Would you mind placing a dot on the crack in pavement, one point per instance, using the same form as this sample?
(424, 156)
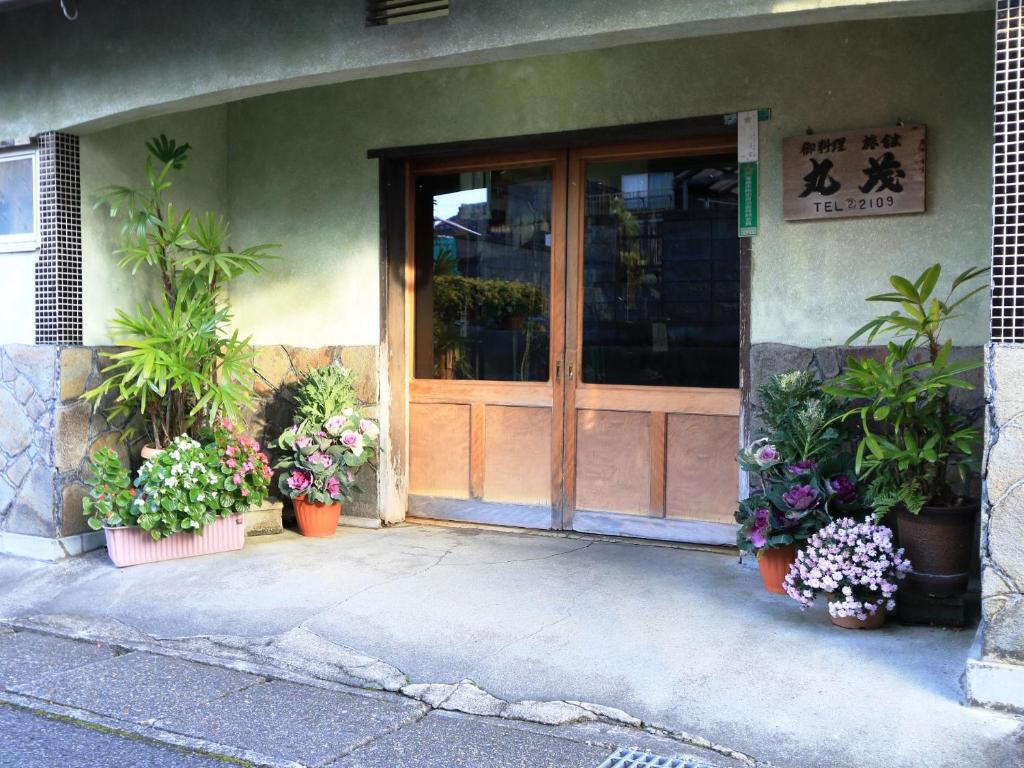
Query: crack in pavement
(429, 695)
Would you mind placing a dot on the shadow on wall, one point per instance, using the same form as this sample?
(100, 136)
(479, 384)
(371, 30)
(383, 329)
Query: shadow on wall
(278, 369)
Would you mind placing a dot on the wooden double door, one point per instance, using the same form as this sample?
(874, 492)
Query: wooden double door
(575, 319)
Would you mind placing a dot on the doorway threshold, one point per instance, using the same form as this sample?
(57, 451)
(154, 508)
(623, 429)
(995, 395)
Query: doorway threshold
(486, 512)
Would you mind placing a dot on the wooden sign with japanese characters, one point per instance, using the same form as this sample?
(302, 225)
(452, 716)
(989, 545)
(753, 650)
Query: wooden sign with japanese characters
(870, 172)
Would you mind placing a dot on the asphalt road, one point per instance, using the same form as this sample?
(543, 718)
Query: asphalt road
(70, 704)
(29, 740)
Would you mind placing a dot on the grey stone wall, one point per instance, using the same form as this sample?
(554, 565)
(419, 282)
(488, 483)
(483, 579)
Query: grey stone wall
(28, 393)
(1002, 523)
(767, 360)
(80, 431)
(278, 368)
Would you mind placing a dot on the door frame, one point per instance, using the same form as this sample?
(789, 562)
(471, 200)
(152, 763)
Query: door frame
(396, 195)
(657, 400)
(509, 393)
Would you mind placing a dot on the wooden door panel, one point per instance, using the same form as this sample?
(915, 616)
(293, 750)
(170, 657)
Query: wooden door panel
(613, 462)
(701, 478)
(517, 455)
(439, 454)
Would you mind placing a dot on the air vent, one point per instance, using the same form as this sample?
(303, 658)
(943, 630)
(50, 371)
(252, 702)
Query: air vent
(380, 13)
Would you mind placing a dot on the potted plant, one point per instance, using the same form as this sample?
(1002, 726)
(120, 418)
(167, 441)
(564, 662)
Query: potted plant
(178, 366)
(325, 448)
(918, 449)
(319, 469)
(800, 472)
(856, 565)
(187, 500)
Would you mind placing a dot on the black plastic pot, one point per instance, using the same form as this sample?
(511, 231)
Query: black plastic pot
(939, 541)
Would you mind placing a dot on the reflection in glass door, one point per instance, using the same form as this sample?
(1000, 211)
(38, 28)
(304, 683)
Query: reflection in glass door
(655, 409)
(483, 266)
(488, 318)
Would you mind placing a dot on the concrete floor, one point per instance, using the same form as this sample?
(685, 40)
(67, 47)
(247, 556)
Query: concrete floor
(681, 638)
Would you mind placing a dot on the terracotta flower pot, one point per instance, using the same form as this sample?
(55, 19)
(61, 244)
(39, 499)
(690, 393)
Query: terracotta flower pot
(134, 546)
(774, 565)
(316, 518)
(938, 542)
(873, 621)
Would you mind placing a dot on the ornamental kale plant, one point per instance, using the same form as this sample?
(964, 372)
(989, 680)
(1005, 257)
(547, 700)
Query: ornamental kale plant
(321, 466)
(854, 563)
(800, 469)
(322, 393)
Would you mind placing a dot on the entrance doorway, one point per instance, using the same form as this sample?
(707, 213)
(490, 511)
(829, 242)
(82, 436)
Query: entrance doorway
(575, 328)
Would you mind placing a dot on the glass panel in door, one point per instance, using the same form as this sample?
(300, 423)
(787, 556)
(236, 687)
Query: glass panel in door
(488, 313)
(657, 401)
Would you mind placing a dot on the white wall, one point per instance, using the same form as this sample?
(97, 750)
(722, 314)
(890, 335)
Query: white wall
(18, 304)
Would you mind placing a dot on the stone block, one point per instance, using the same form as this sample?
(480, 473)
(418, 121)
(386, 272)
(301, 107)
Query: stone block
(72, 434)
(23, 390)
(264, 520)
(1005, 529)
(113, 440)
(8, 372)
(362, 361)
(32, 509)
(7, 493)
(273, 367)
(15, 425)
(72, 520)
(75, 367)
(36, 408)
(1005, 461)
(1005, 380)
(304, 359)
(37, 364)
(1004, 631)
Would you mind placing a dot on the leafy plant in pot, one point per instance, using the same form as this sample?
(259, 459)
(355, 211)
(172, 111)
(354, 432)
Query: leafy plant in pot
(800, 470)
(918, 449)
(180, 495)
(178, 366)
(324, 451)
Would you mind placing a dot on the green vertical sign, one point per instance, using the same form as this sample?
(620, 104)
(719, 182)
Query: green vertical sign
(748, 199)
(746, 154)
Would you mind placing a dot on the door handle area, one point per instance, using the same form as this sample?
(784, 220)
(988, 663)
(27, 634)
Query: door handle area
(570, 371)
(558, 370)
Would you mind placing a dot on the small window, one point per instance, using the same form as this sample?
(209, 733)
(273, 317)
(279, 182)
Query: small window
(381, 13)
(19, 192)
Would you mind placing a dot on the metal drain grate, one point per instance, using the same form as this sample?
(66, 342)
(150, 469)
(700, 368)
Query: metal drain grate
(634, 758)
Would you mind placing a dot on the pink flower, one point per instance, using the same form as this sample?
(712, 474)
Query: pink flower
(230, 450)
(333, 487)
(232, 463)
(353, 441)
(335, 425)
(302, 442)
(245, 492)
(367, 427)
(299, 480)
(321, 458)
(236, 479)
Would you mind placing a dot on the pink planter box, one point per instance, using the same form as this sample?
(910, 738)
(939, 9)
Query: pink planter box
(133, 546)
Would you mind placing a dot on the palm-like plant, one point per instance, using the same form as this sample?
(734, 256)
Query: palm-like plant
(179, 367)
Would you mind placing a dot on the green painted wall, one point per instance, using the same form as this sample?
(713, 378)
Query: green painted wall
(118, 157)
(297, 171)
